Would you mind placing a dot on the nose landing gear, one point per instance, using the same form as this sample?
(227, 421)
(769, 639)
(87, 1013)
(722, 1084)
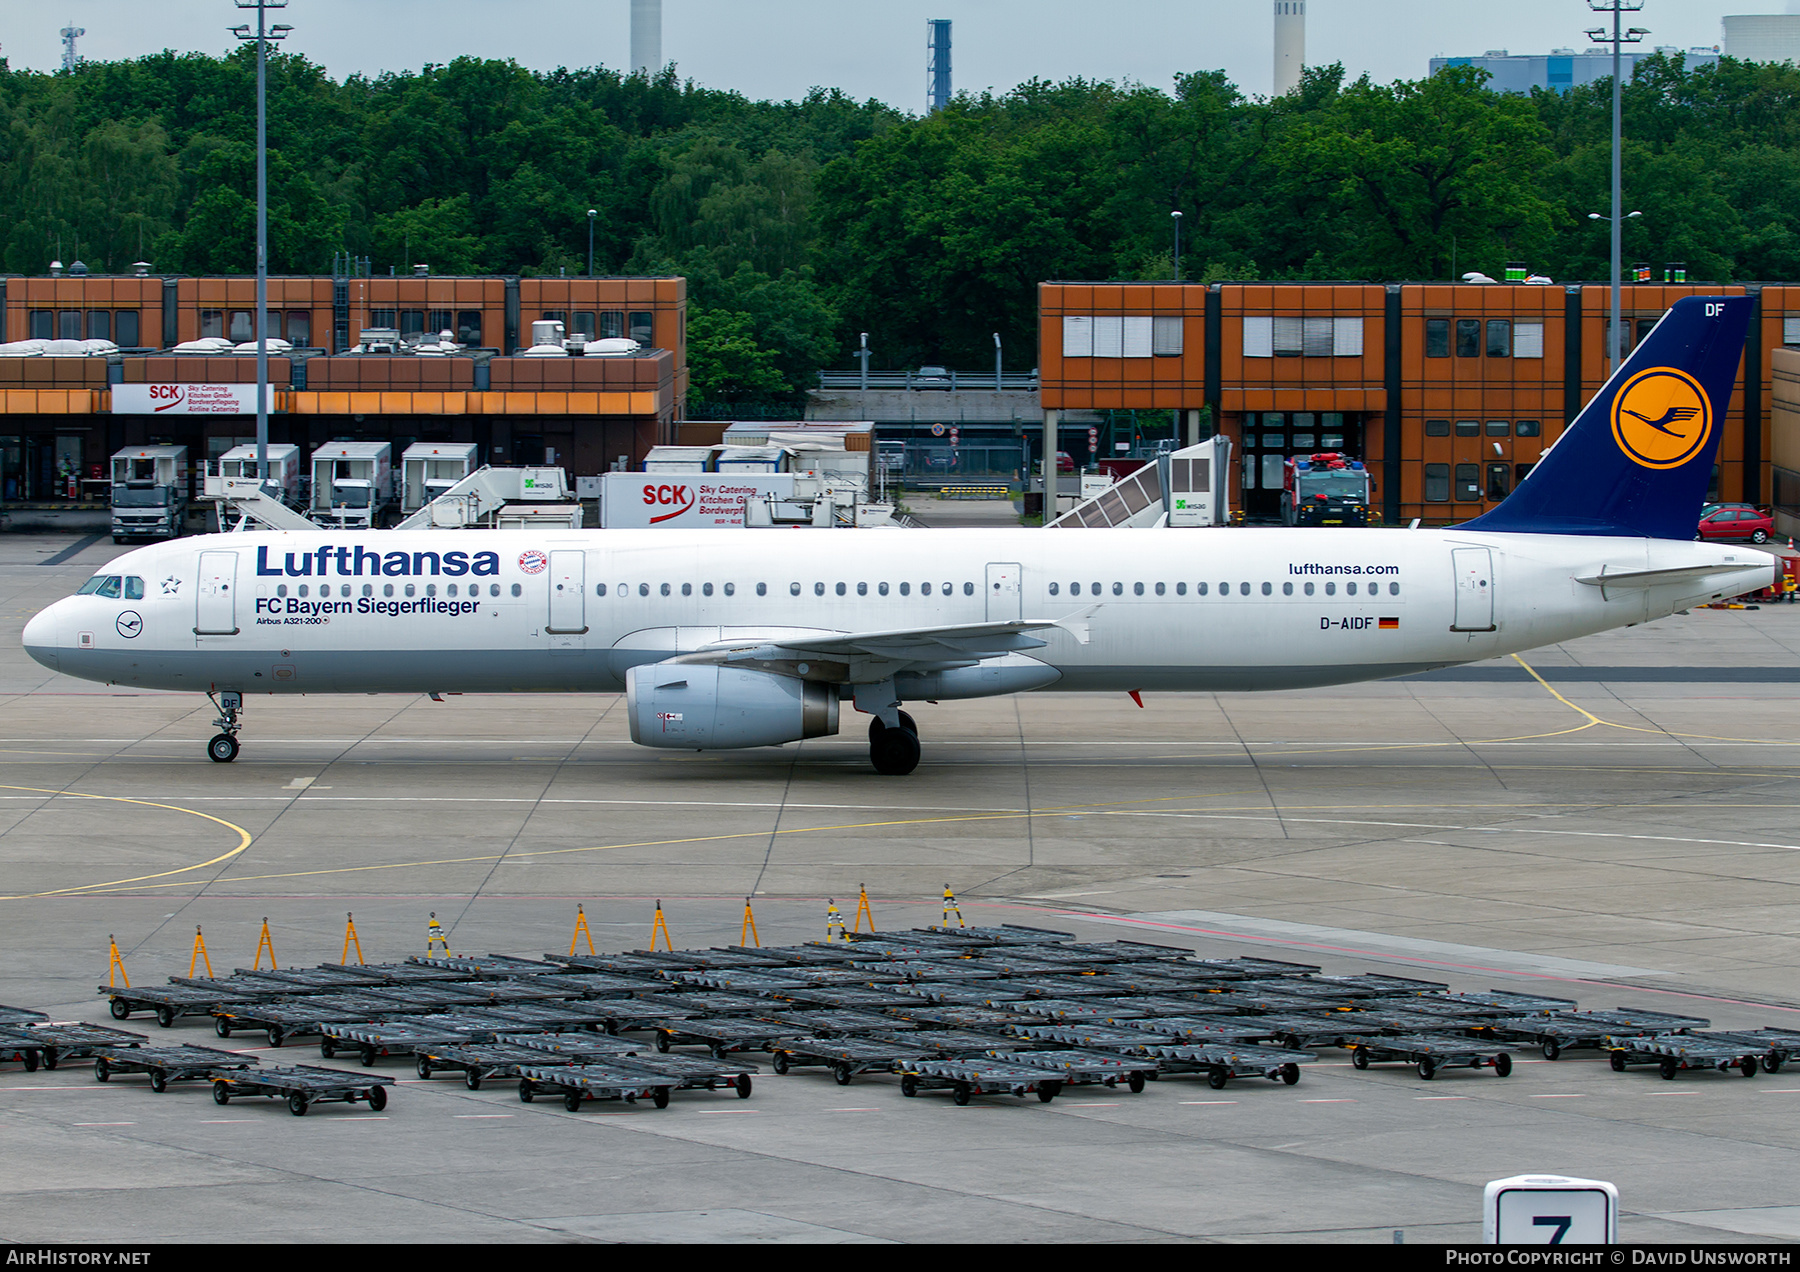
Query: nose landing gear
(223, 748)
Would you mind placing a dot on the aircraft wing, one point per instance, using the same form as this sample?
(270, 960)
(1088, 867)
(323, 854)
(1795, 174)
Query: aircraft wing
(879, 654)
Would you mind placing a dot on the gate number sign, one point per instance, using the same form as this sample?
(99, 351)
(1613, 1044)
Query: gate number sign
(1550, 1210)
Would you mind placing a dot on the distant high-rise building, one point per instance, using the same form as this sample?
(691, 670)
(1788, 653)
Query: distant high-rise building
(937, 63)
(1763, 37)
(1563, 69)
(646, 36)
(1290, 44)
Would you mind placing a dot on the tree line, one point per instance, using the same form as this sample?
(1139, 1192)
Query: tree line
(801, 223)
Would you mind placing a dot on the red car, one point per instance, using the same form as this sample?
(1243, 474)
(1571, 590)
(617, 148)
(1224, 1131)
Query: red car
(1735, 521)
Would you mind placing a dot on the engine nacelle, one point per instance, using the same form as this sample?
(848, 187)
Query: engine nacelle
(706, 707)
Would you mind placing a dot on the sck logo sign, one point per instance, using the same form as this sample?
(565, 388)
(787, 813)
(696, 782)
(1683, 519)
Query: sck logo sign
(676, 498)
(165, 397)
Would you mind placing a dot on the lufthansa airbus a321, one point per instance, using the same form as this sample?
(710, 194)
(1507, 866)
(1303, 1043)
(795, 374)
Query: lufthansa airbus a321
(723, 640)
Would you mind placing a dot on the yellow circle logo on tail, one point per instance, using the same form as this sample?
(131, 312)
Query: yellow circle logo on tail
(1661, 418)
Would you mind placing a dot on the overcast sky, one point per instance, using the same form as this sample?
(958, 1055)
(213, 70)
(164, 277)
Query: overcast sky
(770, 49)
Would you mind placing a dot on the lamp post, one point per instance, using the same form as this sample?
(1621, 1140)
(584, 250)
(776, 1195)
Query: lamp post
(263, 36)
(1615, 350)
(1175, 218)
(592, 213)
(1616, 38)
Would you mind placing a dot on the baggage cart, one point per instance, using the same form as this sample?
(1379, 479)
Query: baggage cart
(1671, 1053)
(690, 1073)
(20, 1016)
(373, 1039)
(167, 1064)
(575, 1048)
(16, 1044)
(303, 1086)
(74, 1040)
(1430, 1053)
(578, 1082)
(299, 1018)
(1297, 1033)
(967, 1078)
(723, 1035)
(480, 1061)
(1778, 1046)
(1223, 1061)
(1085, 1068)
(167, 1002)
(845, 1057)
(1557, 1032)
(490, 966)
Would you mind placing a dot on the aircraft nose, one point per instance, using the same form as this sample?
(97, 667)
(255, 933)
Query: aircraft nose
(41, 637)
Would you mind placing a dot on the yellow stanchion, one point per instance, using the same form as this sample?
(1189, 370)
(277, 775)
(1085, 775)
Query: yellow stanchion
(862, 909)
(748, 936)
(834, 922)
(200, 955)
(115, 963)
(265, 942)
(350, 938)
(950, 907)
(581, 930)
(660, 928)
(437, 945)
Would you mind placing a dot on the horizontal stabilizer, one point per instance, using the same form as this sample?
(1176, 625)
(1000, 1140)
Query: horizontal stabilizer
(1660, 578)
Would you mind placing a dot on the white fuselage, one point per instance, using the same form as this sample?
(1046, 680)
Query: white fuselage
(1228, 609)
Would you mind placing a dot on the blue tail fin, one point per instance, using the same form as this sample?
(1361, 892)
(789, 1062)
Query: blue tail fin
(1638, 459)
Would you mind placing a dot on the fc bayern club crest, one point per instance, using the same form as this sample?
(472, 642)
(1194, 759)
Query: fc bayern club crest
(533, 562)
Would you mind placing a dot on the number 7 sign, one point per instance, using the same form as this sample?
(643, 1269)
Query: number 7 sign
(1550, 1210)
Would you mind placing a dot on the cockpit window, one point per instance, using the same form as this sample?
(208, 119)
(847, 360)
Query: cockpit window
(103, 585)
(134, 588)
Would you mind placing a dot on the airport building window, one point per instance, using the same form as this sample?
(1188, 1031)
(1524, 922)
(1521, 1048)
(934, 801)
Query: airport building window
(1498, 477)
(1528, 340)
(99, 324)
(1498, 428)
(1437, 337)
(468, 326)
(642, 328)
(1437, 483)
(1165, 337)
(1437, 428)
(1468, 337)
(412, 322)
(68, 324)
(383, 318)
(1292, 337)
(43, 324)
(1499, 338)
(212, 323)
(1468, 482)
(1468, 428)
(612, 324)
(436, 320)
(242, 326)
(1526, 428)
(125, 329)
(584, 323)
(1790, 331)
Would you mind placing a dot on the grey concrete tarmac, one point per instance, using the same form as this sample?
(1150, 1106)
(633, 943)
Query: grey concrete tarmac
(1627, 841)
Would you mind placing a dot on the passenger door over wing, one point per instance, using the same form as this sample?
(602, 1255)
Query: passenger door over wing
(1005, 602)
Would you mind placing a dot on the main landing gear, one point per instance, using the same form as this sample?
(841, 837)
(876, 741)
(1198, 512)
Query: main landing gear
(223, 749)
(894, 751)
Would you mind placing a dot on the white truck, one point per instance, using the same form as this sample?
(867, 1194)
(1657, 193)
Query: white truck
(240, 463)
(149, 492)
(353, 486)
(428, 469)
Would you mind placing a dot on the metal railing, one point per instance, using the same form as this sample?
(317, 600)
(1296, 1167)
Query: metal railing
(912, 381)
(923, 466)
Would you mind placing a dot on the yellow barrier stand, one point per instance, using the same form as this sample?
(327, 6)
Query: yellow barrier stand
(200, 954)
(265, 942)
(660, 926)
(581, 930)
(834, 922)
(950, 907)
(437, 945)
(350, 938)
(863, 910)
(748, 936)
(115, 963)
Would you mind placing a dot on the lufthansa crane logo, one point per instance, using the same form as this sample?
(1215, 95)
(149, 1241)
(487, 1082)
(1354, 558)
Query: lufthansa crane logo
(1661, 418)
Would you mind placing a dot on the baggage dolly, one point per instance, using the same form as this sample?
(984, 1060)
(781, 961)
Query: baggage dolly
(1223, 1061)
(1671, 1053)
(578, 1082)
(845, 1057)
(300, 1018)
(74, 1040)
(20, 1016)
(1085, 1068)
(1778, 1046)
(167, 1064)
(574, 1048)
(690, 1073)
(1556, 1033)
(1432, 1052)
(967, 1078)
(479, 1061)
(724, 1035)
(169, 1001)
(303, 1086)
(16, 1044)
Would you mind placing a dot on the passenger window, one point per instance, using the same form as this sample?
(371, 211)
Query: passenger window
(1199, 589)
(1074, 589)
(643, 589)
(862, 589)
(968, 589)
(1268, 589)
(599, 589)
(368, 590)
(115, 590)
(431, 589)
(687, 589)
(387, 589)
(1331, 589)
(906, 589)
(793, 589)
(345, 590)
(1224, 589)
(1393, 589)
(1350, 589)
(410, 590)
(1137, 589)
(281, 589)
(1094, 588)
(1309, 589)
(731, 589)
(519, 591)
(949, 589)
(1159, 589)
(1287, 589)
(1118, 589)
(1243, 589)
(1181, 589)
(448, 591)
(762, 589)
(1053, 589)
(706, 589)
(664, 589)
(881, 588)
(924, 589)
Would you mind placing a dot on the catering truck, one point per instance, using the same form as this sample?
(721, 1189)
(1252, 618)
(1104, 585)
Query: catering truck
(428, 469)
(353, 486)
(149, 492)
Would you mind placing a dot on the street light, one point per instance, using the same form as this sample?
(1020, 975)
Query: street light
(1176, 218)
(1599, 35)
(263, 35)
(592, 213)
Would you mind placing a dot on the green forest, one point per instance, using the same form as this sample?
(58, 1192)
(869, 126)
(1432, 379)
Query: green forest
(801, 223)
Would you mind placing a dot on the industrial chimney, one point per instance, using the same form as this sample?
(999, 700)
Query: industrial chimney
(646, 36)
(1290, 44)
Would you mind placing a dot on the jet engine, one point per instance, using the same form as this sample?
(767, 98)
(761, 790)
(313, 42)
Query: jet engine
(706, 707)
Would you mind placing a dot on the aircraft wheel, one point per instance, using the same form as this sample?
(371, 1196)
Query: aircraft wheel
(894, 752)
(223, 749)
